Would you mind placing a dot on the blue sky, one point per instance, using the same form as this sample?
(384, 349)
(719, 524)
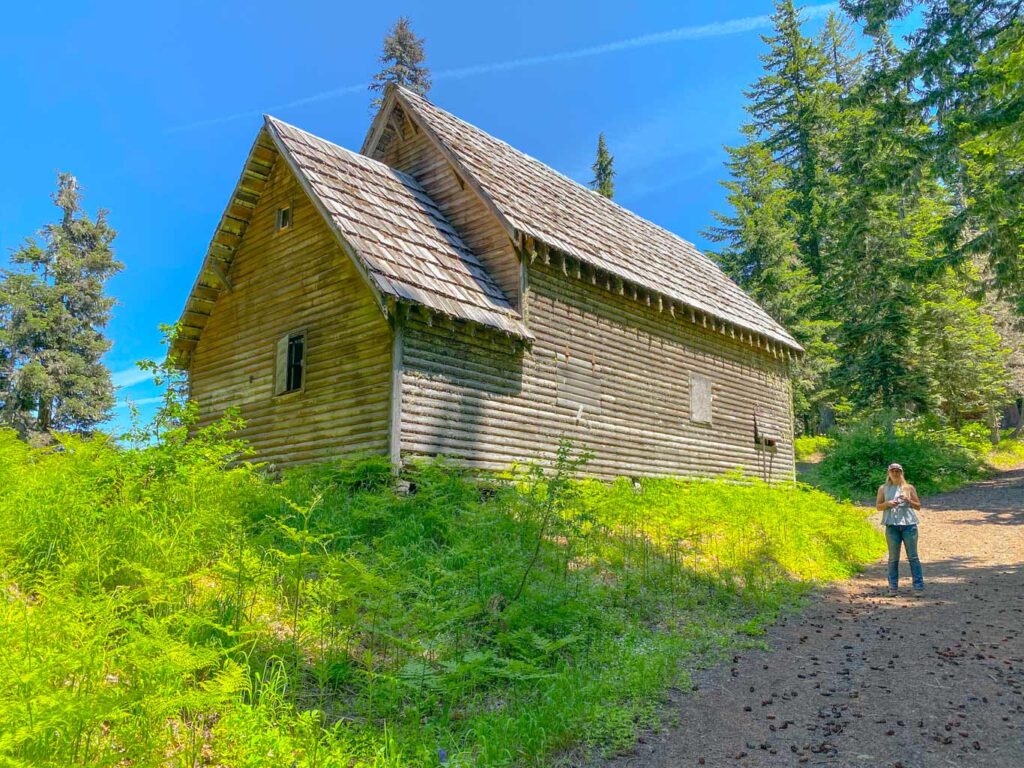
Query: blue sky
(154, 106)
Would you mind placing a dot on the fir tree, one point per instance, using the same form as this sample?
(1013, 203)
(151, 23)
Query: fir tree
(842, 61)
(894, 208)
(783, 194)
(962, 353)
(965, 64)
(791, 108)
(52, 316)
(991, 223)
(604, 170)
(402, 62)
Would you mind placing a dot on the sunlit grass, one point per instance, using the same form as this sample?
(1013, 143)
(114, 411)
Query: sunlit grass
(811, 447)
(1008, 454)
(163, 606)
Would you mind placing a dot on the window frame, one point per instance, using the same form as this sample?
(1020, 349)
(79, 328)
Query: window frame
(284, 212)
(285, 339)
(695, 377)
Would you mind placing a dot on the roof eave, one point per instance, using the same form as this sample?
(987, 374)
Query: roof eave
(242, 198)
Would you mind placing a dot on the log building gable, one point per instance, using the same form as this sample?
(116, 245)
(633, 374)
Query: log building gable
(299, 344)
(395, 235)
(401, 142)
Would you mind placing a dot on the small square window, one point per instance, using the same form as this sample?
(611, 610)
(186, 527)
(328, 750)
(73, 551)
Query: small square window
(284, 218)
(290, 363)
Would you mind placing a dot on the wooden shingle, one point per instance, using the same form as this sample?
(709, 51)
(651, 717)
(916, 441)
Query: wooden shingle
(411, 252)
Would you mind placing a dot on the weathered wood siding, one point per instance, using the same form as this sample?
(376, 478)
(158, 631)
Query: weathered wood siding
(411, 151)
(296, 279)
(606, 371)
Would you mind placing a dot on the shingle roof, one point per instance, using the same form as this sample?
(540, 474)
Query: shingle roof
(540, 202)
(408, 248)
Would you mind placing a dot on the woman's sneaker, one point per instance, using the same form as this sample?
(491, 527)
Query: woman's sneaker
(918, 591)
(892, 592)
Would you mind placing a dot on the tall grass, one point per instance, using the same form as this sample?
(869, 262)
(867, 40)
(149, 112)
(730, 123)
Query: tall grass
(164, 606)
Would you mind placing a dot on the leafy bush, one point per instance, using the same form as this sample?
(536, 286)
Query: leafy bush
(165, 606)
(935, 458)
(811, 446)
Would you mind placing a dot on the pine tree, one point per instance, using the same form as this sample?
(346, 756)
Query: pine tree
(52, 316)
(604, 170)
(402, 62)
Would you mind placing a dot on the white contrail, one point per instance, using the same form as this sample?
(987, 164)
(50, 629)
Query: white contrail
(130, 377)
(715, 29)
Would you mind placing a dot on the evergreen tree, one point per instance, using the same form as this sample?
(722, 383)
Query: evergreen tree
(783, 195)
(402, 62)
(991, 147)
(840, 223)
(791, 109)
(762, 255)
(52, 316)
(604, 170)
(842, 61)
(1010, 327)
(962, 354)
(889, 235)
(965, 63)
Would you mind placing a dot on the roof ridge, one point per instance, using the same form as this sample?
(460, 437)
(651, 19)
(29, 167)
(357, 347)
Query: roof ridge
(602, 200)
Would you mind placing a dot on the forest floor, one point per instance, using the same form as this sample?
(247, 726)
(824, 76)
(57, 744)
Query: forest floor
(861, 679)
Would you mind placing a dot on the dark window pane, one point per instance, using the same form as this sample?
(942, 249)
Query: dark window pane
(284, 218)
(296, 352)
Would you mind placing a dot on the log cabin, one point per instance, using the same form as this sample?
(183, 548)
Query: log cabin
(442, 293)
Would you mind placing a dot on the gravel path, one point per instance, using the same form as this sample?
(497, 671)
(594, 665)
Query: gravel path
(859, 679)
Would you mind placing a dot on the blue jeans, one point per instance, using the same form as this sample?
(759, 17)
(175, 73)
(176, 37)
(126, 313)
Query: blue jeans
(907, 535)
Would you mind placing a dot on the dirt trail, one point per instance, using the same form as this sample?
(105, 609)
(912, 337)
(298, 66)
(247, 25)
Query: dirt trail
(859, 679)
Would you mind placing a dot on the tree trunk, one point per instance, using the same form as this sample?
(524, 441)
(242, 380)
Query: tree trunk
(43, 420)
(1014, 416)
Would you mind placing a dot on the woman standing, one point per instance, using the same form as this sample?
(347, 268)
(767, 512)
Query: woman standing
(897, 500)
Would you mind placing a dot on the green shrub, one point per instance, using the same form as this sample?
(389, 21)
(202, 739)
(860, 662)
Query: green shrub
(164, 606)
(934, 458)
(811, 446)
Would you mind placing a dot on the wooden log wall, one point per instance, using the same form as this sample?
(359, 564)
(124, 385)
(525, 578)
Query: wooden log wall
(410, 150)
(605, 370)
(297, 279)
